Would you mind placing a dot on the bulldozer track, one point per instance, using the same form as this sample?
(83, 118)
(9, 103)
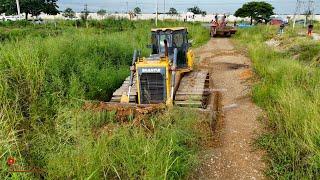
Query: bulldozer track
(193, 90)
(123, 90)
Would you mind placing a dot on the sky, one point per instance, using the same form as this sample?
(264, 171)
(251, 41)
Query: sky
(149, 6)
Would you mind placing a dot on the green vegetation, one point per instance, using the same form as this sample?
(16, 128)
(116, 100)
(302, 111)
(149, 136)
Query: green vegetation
(289, 92)
(34, 7)
(44, 82)
(256, 11)
(69, 13)
(102, 12)
(197, 10)
(163, 151)
(173, 11)
(22, 29)
(137, 10)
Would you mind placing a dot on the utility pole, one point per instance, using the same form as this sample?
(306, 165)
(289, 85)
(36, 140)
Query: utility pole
(311, 10)
(164, 6)
(298, 6)
(18, 9)
(127, 3)
(85, 8)
(157, 7)
(86, 13)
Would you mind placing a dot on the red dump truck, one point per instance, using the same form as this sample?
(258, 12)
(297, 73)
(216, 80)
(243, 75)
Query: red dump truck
(219, 27)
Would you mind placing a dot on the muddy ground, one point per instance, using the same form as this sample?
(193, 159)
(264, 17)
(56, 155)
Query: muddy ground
(233, 154)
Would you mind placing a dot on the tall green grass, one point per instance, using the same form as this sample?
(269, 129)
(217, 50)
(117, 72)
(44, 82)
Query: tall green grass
(18, 30)
(289, 91)
(166, 151)
(44, 81)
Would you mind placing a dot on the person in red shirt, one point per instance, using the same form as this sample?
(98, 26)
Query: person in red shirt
(214, 26)
(310, 29)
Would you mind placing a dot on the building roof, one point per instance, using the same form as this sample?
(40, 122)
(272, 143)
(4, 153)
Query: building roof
(189, 13)
(169, 28)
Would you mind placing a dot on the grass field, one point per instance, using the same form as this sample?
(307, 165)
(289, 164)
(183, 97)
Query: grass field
(288, 90)
(46, 74)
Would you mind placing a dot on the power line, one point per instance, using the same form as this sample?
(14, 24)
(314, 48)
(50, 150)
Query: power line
(157, 7)
(127, 3)
(306, 8)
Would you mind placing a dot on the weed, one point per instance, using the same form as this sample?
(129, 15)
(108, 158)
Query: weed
(43, 82)
(289, 92)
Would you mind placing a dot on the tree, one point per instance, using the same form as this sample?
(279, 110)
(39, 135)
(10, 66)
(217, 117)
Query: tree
(51, 7)
(196, 10)
(256, 11)
(173, 11)
(137, 10)
(33, 7)
(102, 12)
(69, 13)
(8, 7)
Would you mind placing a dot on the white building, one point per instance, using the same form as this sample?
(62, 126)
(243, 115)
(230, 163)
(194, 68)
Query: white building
(188, 16)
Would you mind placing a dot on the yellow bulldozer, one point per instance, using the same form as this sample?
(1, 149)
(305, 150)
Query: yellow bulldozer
(167, 76)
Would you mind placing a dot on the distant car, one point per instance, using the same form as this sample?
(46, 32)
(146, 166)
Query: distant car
(243, 25)
(12, 18)
(276, 22)
(300, 21)
(36, 21)
(74, 18)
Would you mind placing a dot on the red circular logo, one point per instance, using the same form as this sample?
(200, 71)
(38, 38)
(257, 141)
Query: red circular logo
(11, 161)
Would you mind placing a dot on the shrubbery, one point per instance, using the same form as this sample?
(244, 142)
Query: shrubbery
(44, 81)
(289, 92)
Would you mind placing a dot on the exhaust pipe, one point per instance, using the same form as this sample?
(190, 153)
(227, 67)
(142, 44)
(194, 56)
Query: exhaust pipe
(174, 68)
(166, 49)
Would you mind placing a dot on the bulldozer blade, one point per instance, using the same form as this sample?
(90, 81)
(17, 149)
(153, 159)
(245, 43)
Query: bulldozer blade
(126, 111)
(124, 99)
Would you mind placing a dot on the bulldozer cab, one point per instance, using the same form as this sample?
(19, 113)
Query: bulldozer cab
(156, 79)
(174, 38)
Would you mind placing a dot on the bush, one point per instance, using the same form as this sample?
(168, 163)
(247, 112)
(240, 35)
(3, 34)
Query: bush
(44, 80)
(125, 152)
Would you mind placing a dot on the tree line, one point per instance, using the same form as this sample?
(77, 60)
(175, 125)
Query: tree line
(256, 10)
(33, 7)
(70, 13)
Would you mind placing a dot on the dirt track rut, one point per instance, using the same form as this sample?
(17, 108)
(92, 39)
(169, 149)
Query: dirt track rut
(233, 155)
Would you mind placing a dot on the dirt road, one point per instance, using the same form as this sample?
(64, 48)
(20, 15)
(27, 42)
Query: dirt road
(233, 155)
